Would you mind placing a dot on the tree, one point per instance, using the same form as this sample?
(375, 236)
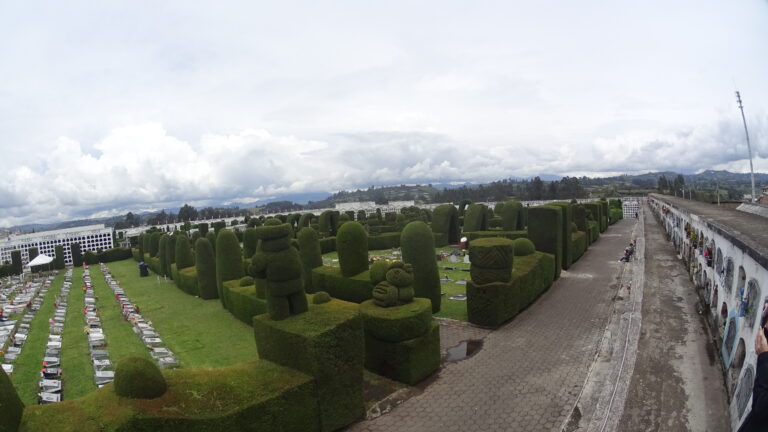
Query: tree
(187, 213)
(535, 189)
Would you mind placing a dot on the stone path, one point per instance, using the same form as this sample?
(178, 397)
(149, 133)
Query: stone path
(529, 373)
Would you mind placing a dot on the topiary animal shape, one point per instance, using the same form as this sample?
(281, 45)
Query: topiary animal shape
(397, 288)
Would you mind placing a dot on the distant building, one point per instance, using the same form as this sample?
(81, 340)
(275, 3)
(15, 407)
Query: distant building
(91, 238)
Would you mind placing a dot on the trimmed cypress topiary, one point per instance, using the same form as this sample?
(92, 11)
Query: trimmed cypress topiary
(202, 227)
(146, 242)
(139, 378)
(567, 228)
(229, 261)
(183, 253)
(510, 215)
(154, 243)
(321, 297)
(475, 219)
(445, 221)
(193, 240)
(205, 264)
(218, 226)
(211, 236)
(418, 246)
(311, 256)
(58, 262)
(77, 255)
(546, 233)
(352, 246)
(141, 247)
(162, 255)
(33, 252)
(11, 407)
(280, 264)
(170, 254)
(16, 262)
(463, 207)
(523, 247)
(249, 243)
(305, 220)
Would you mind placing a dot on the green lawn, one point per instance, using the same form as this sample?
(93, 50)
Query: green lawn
(455, 309)
(26, 368)
(200, 332)
(75, 355)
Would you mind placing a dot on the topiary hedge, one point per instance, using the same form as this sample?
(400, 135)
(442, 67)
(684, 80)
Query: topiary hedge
(183, 255)
(327, 244)
(11, 407)
(229, 261)
(523, 247)
(154, 243)
(567, 228)
(311, 256)
(603, 214)
(139, 378)
(445, 221)
(384, 241)
(77, 255)
(545, 231)
(418, 248)
(205, 266)
(249, 243)
(356, 289)
(579, 244)
(397, 323)
(243, 301)
(352, 246)
(58, 262)
(494, 233)
(162, 256)
(170, 253)
(475, 218)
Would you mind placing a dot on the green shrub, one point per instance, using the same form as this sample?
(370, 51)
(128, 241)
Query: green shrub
(579, 244)
(418, 248)
(328, 222)
(90, 258)
(445, 220)
(463, 207)
(32, 253)
(379, 271)
(397, 323)
(311, 255)
(184, 257)
(148, 242)
(580, 217)
(211, 236)
(354, 289)
(162, 256)
(614, 215)
(321, 297)
(11, 407)
(229, 261)
(361, 216)
(218, 226)
(203, 228)
(511, 217)
(305, 220)
(77, 255)
(249, 243)
(142, 251)
(473, 235)
(170, 253)
(154, 243)
(246, 281)
(603, 215)
(388, 240)
(186, 279)
(58, 262)
(523, 247)
(352, 245)
(409, 361)
(566, 226)
(205, 265)
(139, 378)
(546, 233)
(243, 301)
(193, 241)
(475, 218)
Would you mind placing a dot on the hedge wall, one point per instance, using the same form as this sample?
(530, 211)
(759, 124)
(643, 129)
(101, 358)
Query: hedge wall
(211, 236)
(356, 289)
(418, 248)
(567, 228)
(596, 212)
(305, 220)
(494, 233)
(580, 217)
(154, 243)
(445, 220)
(140, 247)
(170, 253)
(186, 279)
(327, 244)
(203, 228)
(229, 261)
(243, 302)
(546, 232)
(183, 256)
(16, 261)
(578, 244)
(205, 267)
(249, 243)
(384, 241)
(603, 215)
(475, 218)
(614, 215)
(11, 407)
(352, 245)
(328, 222)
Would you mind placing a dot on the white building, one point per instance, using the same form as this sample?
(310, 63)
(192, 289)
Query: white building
(91, 238)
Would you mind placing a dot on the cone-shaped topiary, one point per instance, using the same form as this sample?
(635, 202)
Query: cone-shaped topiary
(352, 245)
(58, 262)
(229, 261)
(139, 378)
(311, 256)
(523, 247)
(418, 246)
(161, 254)
(170, 254)
(183, 253)
(11, 407)
(205, 264)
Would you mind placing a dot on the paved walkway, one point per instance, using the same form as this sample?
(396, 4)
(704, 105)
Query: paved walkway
(530, 372)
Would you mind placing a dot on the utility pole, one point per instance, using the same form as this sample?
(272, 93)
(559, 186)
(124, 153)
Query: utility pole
(749, 147)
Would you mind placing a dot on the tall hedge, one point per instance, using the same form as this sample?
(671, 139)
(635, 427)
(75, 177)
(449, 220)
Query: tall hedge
(147, 240)
(476, 218)
(211, 236)
(567, 228)
(77, 254)
(418, 246)
(328, 223)
(205, 264)
(445, 220)
(580, 217)
(545, 231)
(170, 254)
(229, 261)
(305, 220)
(511, 216)
(463, 207)
(352, 246)
(193, 240)
(141, 246)
(16, 261)
(11, 407)
(58, 261)
(154, 243)
(162, 255)
(249, 242)
(311, 256)
(203, 228)
(183, 253)
(218, 226)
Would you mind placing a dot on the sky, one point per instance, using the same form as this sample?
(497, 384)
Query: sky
(107, 107)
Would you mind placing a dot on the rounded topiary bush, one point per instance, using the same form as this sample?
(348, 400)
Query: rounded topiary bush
(321, 297)
(246, 281)
(352, 246)
(523, 247)
(379, 271)
(139, 378)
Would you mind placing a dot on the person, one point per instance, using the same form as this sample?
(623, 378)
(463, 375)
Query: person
(757, 420)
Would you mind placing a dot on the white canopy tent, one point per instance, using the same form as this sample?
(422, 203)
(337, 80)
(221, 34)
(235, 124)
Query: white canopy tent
(41, 259)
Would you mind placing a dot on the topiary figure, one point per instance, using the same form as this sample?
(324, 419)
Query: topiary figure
(418, 246)
(183, 252)
(311, 255)
(247, 281)
(229, 261)
(491, 260)
(205, 264)
(397, 288)
(280, 264)
(139, 378)
(321, 297)
(378, 272)
(11, 407)
(523, 247)
(352, 246)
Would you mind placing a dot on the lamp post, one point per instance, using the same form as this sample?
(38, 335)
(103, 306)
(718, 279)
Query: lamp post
(749, 147)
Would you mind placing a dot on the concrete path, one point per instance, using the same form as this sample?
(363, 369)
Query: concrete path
(677, 384)
(529, 373)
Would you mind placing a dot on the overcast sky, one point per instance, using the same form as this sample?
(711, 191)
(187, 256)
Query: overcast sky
(113, 106)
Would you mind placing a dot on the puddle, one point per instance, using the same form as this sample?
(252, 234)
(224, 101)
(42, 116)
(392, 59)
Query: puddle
(463, 350)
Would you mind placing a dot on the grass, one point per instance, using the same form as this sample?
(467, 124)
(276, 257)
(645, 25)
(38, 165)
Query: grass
(454, 309)
(200, 332)
(26, 369)
(75, 356)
